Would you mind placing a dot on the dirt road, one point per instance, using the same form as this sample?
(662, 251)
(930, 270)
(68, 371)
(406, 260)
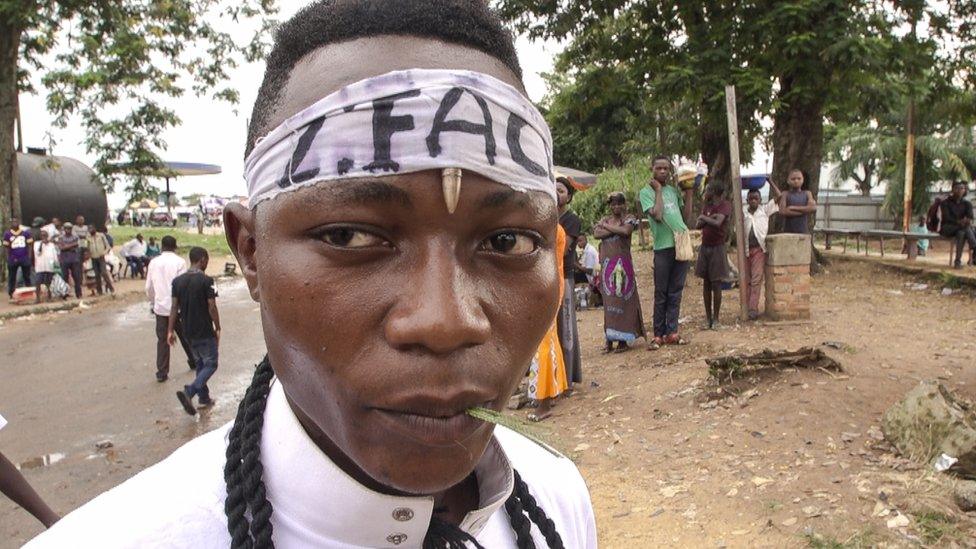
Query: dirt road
(72, 380)
(797, 463)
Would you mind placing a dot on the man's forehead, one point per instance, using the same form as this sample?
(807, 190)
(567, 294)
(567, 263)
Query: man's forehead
(335, 66)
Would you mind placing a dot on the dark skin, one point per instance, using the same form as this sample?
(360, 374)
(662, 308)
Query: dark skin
(711, 289)
(959, 193)
(754, 198)
(437, 312)
(614, 226)
(796, 183)
(14, 226)
(662, 176)
(15, 486)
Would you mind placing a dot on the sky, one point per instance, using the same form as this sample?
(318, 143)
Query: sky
(212, 132)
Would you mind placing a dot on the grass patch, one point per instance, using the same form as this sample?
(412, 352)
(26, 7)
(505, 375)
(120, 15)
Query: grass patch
(858, 540)
(216, 244)
(935, 527)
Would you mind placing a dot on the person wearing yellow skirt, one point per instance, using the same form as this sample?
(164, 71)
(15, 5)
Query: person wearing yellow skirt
(547, 375)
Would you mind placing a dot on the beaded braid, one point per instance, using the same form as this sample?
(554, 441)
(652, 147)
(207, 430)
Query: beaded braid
(246, 491)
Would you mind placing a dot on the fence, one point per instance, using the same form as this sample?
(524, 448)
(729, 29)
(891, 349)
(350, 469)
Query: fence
(853, 212)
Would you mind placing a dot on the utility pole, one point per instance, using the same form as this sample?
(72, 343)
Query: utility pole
(740, 238)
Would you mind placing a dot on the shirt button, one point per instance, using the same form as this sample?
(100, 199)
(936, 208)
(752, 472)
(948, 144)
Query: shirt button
(396, 539)
(402, 514)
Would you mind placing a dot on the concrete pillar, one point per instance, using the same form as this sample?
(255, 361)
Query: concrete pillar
(788, 276)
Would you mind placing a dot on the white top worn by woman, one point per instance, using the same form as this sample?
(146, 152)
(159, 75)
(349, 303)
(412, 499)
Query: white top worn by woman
(180, 501)
(45, 256)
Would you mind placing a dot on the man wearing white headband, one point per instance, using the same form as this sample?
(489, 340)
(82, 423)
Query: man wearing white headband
(400, 241)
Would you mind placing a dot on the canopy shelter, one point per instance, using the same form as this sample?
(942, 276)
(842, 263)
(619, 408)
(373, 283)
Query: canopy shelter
(579, 179)
(144, 205)
(170, 170)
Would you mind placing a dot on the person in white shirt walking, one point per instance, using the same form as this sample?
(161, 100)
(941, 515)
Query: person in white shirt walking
(756, 220)
(159, 287)
(134, 253)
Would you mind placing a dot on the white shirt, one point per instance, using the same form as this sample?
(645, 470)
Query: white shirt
(590, 259)
(180, 501)
(759, 221)
(51, 230)
(45, 256)
(159, 281)
(133, 248)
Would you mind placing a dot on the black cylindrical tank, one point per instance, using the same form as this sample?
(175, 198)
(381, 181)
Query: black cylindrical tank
(58, 186)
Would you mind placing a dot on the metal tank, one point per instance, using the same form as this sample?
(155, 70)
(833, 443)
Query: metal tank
(58, 186)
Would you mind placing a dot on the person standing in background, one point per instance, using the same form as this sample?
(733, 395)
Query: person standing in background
(45, 259)
(568, 330)
(53, 229)
(17, 242)
(713, 263)
(796, 205)
(666, 211)
(159, 288)
(70, 246)
(623, 320)
(98, 247)
(756, 222)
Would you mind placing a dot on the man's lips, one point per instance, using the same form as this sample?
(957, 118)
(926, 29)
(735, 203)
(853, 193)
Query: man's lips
(434, 421)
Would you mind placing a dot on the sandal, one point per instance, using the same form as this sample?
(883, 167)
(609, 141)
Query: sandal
(655, 344)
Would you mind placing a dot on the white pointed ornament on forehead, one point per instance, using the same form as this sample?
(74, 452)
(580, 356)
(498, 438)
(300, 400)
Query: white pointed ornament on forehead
(405, 122)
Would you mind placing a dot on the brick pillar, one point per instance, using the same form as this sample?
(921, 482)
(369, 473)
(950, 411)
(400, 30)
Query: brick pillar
(788, 276)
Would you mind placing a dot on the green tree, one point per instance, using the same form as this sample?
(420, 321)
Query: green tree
(109, 63)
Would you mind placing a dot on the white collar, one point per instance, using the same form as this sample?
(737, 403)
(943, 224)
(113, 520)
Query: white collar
(313, 499)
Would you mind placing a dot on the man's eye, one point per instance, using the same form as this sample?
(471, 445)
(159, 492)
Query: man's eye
(510, 243)
(346, 237)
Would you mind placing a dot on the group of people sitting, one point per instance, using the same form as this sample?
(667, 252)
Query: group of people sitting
(50, 257)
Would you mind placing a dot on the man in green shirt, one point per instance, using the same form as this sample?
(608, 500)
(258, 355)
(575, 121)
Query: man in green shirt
(666, 210)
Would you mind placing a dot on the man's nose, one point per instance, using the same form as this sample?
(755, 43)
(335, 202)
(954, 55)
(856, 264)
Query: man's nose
(439, 307)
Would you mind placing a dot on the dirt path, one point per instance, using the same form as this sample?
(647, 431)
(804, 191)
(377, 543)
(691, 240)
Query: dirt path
(797, 460)
(666, 467)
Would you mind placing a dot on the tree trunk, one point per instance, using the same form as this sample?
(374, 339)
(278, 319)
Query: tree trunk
(9, 49)
(715, 153)
(865, 184)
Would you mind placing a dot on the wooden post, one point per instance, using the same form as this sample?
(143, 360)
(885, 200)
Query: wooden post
(740, 237)
(909, 168)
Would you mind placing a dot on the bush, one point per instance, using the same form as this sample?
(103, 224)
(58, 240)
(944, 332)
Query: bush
(591, 205)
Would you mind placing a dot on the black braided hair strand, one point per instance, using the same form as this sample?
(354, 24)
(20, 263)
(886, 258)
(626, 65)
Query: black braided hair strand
(246, 492)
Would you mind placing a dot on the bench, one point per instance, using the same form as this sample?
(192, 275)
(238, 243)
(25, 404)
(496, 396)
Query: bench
(910, 239)
(846, 233)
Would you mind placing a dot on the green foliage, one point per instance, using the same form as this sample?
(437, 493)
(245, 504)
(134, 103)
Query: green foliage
(109, 64)
(591, 205)
(216, 244)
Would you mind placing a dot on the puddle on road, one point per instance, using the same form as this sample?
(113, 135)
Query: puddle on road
(41, 461)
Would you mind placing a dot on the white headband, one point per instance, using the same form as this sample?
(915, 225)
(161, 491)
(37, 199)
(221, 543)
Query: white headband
(404, 122)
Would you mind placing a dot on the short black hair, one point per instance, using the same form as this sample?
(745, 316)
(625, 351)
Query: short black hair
(753, 191)
(468, 23)
(958, 183)
(168, 243)
(197, 253)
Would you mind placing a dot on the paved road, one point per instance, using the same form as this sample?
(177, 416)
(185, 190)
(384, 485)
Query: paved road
(70, 380)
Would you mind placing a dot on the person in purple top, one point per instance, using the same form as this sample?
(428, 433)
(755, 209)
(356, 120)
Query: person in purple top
(18, 243)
